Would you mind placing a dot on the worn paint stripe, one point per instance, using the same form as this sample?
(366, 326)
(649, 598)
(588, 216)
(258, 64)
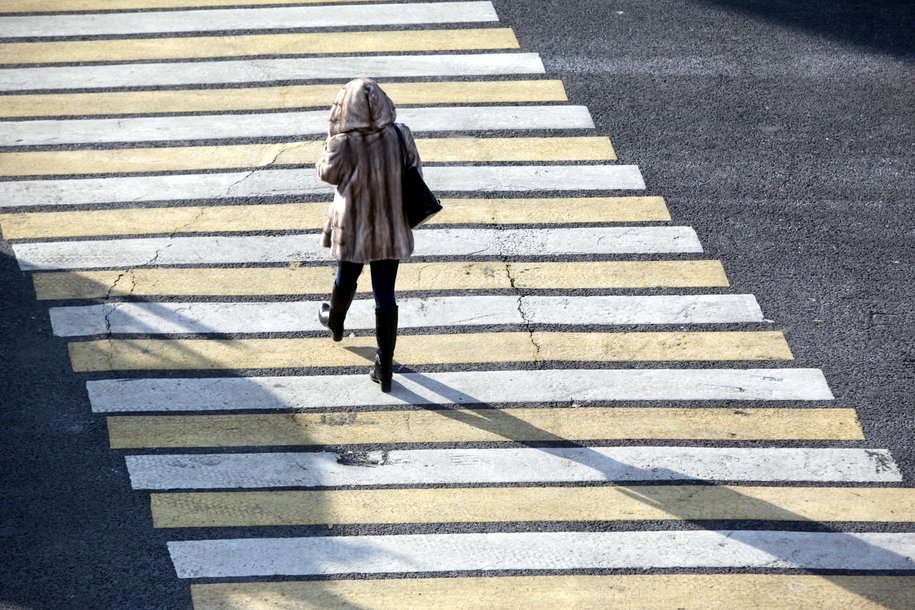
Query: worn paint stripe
(464, 311)
(278, 124)
(575, 387)
(292, 248)
(297, 280)
(480, 425)
(311, 216)
(417, 350)
(267, 70)
(322, 555)
(707, 591)
(272, 98)
(202, 20)
(196, 158)
(295, 183)
(544, 465)
(323, 43)
(525, 504)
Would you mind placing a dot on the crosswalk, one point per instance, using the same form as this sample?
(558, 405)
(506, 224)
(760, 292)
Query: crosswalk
(583, 408)
(279, 317)
(48, 132)
(280, 183)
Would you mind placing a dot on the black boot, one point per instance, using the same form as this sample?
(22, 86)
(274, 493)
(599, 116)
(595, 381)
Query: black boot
(333, 314)
(386, 335)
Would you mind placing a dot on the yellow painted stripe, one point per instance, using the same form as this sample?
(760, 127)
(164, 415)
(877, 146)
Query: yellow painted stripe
(501, 504)
(294, 280)
(412, 350)
(139, 49)
(683, 591)
(272, 98)
(432, 150)
(48, 6)
(481, 425)
(311, 216)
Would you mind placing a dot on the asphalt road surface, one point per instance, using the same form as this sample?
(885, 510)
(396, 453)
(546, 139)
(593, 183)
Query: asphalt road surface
(782, 132)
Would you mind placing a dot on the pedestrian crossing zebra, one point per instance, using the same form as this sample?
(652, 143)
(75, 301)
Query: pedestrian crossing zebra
(157, 192)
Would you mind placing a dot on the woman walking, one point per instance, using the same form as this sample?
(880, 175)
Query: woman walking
(364, 157)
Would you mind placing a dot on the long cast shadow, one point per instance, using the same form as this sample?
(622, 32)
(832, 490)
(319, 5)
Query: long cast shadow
(194, 326)
(494, 420)
(93, 553)
(885, 26)
(72, 535)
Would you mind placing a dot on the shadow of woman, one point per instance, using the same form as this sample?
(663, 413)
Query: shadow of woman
(472, 412)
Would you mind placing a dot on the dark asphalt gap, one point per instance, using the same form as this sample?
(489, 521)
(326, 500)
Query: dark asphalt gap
(783, 135)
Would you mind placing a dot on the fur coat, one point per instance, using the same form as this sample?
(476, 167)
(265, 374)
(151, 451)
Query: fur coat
(362, 158)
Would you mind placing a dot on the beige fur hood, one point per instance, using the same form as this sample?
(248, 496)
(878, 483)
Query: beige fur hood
(361, 105)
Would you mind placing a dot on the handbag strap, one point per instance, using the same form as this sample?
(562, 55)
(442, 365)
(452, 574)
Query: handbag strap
(403, 146)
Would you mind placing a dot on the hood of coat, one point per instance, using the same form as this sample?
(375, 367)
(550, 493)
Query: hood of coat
(361, 105)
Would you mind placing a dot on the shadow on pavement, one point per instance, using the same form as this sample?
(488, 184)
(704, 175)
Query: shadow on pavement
(71, 533)
(490, 419)
(74, 533)
(115, 550)
(885, 26)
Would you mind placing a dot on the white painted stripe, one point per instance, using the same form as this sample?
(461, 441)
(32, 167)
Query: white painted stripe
(206, 317)
(268, 70)
(492, 466)
(102, 24)
(297, 182)
(282, 124)
(322, 555)
(575, 386)
(119, 253)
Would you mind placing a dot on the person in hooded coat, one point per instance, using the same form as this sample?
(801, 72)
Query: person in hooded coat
(363, 158)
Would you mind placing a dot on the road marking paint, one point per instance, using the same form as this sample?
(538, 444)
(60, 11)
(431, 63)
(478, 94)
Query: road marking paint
(202, 20)
(544, 465)
(766, 545)
(58, 6)
(524, 504)
(311, 216)
(709, 591)
(195, 158)
(280, 124)
(269, 98)
(416, 350)
(33, 256)
(285, 317)
(144, 49)
(321, 555)
(554, 210)
(295, 182)
(296, 280)
(575, 387)
(267, 70)
(480, 425)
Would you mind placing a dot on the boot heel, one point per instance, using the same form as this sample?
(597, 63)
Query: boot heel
(376, 374)
(332, 315)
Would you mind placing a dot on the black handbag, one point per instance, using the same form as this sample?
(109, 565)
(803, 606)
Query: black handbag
(419, 204)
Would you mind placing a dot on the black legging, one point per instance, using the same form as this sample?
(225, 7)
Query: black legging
(384, 276)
